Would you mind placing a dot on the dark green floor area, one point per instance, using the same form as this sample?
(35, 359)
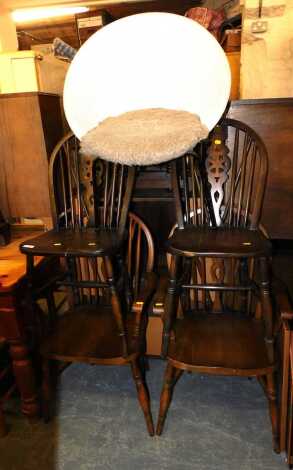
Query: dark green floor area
(214, 423)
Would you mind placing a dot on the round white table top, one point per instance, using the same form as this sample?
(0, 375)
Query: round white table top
(149, 60)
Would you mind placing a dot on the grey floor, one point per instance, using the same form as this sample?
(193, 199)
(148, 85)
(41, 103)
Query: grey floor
(214, 423)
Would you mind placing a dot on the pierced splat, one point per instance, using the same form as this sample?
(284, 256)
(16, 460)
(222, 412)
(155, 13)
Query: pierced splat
(86, 192)
(86, 179)
(217, 166)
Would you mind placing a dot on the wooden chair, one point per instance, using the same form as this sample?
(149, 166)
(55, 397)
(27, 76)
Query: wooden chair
(107, 315)
(226, 327)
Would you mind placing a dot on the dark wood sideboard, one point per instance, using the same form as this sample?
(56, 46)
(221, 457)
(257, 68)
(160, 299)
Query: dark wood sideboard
(272, 119)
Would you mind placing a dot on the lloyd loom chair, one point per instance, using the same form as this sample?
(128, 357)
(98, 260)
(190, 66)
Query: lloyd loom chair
(218, 276)
(90, 200)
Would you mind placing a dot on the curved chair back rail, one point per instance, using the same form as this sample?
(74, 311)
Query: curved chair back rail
(138, 260)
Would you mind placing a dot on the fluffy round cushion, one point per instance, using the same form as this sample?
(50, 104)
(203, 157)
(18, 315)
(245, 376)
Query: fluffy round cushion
(144, 137)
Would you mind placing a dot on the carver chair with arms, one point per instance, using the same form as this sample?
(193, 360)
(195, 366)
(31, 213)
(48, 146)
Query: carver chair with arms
(102, 268)
(219, 267)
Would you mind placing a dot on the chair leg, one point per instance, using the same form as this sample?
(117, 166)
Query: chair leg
(143, 395)
(171, 302)
(267, 309)
(172, 375)
(272, 399)
(267, 312)
(3, 428)
(144, 366)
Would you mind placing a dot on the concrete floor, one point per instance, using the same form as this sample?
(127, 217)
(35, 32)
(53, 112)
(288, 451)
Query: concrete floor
(214, 423)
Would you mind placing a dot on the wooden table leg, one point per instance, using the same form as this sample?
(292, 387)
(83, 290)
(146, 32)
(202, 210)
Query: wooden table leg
(12, 329)
(25, 380)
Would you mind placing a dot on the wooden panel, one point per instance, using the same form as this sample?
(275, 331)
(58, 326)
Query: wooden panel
(272, 119)
(52, 123)
(24, 157)
(234, 62)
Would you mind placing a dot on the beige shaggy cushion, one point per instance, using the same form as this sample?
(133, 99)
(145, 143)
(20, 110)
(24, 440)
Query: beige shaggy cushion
(144, 137)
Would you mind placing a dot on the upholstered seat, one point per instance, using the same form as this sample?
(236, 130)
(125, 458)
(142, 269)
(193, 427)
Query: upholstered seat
(144, 137)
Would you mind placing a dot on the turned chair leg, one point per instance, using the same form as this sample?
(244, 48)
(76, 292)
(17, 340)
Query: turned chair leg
(3, 428)
(272, 399)
(267, 312)
(172, 375)
(143, 395)
(144, 366)
(171, 302)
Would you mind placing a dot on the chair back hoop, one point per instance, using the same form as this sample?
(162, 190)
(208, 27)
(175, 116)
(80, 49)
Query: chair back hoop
(86, 192)
(137, 260)
(140, 252)
(227, 175)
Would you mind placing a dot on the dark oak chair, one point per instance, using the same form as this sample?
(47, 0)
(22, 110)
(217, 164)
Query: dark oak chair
(219, 267)
(102, 269)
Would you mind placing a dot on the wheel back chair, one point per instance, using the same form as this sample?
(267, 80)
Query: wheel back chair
(218, 315)
(103, 270)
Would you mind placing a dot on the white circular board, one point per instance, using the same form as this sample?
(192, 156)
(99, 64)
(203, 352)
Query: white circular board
(149, 60)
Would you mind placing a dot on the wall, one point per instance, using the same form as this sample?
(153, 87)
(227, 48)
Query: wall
(267, 58)
(8, 38)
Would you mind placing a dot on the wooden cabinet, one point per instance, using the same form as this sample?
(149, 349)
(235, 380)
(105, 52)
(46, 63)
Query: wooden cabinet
(30, 127)
(272, 119)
